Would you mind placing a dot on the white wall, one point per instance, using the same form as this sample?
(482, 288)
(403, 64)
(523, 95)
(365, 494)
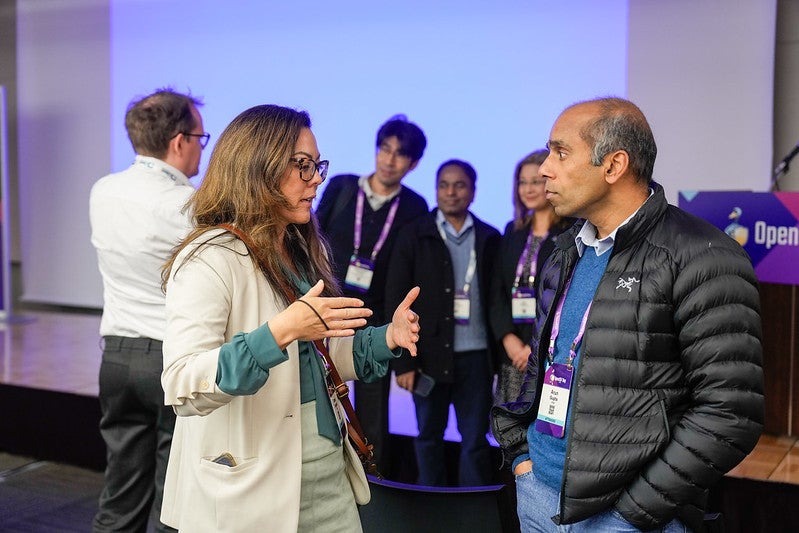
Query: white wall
(702, 71)
(63, 107)
(484, 80)
(786, 90)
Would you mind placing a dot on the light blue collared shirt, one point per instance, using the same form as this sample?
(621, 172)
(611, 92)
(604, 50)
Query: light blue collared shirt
(471, 336)
(587, 236)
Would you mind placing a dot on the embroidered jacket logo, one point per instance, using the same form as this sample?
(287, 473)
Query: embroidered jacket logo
(627, 284)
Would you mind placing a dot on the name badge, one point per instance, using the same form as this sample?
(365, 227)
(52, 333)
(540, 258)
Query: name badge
(359, 274)
(523, 306)
(462, 308)
(554, 400)
(338, 409)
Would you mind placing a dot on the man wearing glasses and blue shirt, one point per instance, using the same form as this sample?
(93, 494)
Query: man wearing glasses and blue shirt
(137, 218)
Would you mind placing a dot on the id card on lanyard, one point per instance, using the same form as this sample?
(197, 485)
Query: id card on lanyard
(361, 270)
(335, 401)
(359, 274)
(523, 302)
(462, 308)
(554, 404)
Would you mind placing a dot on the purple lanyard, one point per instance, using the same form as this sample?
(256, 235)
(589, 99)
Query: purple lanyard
(526, 253)
(556, 328)
(359, 225)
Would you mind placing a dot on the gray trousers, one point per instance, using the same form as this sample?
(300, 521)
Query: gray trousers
(137, 429)
(327, 504)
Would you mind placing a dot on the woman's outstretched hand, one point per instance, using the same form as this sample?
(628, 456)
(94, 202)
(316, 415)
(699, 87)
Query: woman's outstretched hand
(404, 328)
(317, 317)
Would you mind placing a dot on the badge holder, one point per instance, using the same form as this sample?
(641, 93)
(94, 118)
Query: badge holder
(462, 308)
(554, 403)
(359, 274)
(523, 304)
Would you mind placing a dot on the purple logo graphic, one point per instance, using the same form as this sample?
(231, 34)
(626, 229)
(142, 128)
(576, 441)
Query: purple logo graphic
(766, 225)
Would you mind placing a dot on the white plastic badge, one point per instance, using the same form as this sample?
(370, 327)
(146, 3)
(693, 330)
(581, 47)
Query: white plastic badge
(462, 308)
(554, 400)
(523, 306)
(338, 410)
(359, 274)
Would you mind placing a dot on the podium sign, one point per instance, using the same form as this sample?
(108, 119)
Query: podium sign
(766, 224)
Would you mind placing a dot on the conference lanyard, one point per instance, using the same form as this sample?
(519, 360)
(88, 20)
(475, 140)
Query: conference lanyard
(361, 270)
(154, 164)
(462, 304)
(467, 279)
(528, 257)
(392, 213)
(523, 300)
(558, 378)
(556, 329)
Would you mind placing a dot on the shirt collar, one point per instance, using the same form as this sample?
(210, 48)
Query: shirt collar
(374, 199)
(587, 235)
(441, 222)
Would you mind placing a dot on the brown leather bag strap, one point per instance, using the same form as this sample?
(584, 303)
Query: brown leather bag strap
(259, 260)
(364, 449)
(256, 253)
(343, 393)
(355, 432)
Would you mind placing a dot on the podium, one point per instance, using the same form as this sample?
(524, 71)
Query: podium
(766, 224)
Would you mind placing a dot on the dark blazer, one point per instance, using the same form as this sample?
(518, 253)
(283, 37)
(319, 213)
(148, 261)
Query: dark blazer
(513, 242)
(421, 258)
(336, 215)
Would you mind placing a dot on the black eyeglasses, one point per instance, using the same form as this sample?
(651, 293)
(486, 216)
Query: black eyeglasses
(203, 137)
(309, 168)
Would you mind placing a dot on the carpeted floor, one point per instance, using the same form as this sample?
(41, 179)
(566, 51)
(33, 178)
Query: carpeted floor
(46, 497)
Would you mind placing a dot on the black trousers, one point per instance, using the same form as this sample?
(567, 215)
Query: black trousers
(137, 428)
(371, 406)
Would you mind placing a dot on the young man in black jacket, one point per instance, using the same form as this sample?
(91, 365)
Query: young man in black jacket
(361, 217)
(450, 254)
(645, 384)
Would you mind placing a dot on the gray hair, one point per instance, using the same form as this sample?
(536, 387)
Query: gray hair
(621, 126)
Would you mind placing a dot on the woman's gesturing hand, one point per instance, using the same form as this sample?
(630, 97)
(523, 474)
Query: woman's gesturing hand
(315, 317)
(404, 328)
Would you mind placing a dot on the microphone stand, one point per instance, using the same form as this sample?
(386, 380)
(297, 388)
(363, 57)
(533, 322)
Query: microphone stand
(782, 169)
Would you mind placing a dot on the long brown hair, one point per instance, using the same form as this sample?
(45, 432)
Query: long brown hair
(522, 217)
(242, 187)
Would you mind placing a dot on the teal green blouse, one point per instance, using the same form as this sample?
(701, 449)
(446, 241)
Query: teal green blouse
(245, 361)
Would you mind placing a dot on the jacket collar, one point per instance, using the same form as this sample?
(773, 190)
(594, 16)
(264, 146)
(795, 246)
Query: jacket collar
(648, 215)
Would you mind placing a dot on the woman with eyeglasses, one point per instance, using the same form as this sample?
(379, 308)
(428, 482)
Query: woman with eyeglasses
(527, 242)
(260, 444)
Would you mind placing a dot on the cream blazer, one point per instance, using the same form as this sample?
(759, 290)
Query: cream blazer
(216, 294)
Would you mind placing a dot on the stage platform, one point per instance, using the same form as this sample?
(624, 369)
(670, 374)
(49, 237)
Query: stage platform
(50, 361)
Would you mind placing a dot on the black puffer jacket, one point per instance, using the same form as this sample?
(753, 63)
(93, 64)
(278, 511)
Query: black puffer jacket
(669, 390)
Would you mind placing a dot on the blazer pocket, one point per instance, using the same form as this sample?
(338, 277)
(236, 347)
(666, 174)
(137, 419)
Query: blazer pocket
(217, 469)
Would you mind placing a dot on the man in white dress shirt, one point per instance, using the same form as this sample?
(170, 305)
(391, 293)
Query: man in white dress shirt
(137, 217)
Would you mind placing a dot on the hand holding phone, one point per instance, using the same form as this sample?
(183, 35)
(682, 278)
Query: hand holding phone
(424, 384)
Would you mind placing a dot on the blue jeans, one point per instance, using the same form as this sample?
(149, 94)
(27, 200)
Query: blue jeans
(537, 502)
(470, 393)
